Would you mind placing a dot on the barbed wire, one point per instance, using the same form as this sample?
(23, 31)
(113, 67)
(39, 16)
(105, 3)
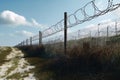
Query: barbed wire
(78, 17)
(77, 20)
(102, 30)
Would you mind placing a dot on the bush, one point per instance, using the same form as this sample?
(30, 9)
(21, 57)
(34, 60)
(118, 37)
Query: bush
(33, 51)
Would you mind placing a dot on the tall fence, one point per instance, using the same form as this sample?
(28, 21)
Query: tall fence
(101, 31)
(35, 40)
(100, 34)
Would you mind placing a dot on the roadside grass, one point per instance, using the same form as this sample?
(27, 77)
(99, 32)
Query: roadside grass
(39, 64)
(36, 56)
(17, 76)
(87, 63)
(33, 51)
(80, 63)
(3, 54)
(11, 65)
(14, 65)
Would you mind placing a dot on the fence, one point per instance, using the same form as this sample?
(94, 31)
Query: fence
(30, 41)
(100, 30)
(74, 19)
(101, 33)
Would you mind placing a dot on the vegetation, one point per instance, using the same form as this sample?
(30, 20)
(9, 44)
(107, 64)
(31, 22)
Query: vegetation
(82, 62)
(4, 53)
(33, 51)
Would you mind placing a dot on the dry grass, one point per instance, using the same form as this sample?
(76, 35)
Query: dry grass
(86, 63)
(33, 51)
(81, 62)
(3, 54)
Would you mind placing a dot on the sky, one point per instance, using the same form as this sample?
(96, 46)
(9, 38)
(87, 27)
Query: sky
(21, 19)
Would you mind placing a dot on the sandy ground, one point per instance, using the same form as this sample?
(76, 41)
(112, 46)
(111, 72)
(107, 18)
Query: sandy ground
(16, 67)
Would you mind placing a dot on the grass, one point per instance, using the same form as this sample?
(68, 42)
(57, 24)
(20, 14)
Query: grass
(15, 65)
(3, 54)
(33, 51)
(39, 64)
(84, 62)
(15, 76)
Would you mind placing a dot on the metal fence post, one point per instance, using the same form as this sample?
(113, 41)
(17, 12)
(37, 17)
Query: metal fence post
(26, 42)
(98, 31)
(97, 40)
(23, 43)
(107, 32)
(40, 37)
(107, 40)
(30, 41)
(116, 28)
(65, 33)
(79, 34)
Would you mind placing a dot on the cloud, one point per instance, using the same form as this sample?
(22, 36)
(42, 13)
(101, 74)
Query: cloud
(35, 23)
(8, 17)
(11, 18)
(24, 33)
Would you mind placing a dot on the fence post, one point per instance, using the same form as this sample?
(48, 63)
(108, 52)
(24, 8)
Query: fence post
(107, 32)
(98, 31)
(26, 42)
(19, 45)
(116, 28)
(97, 40)
(78, 34)
(23, 43)
(30, 41)
(107, 40)
(90, 34)
(40, 38)
(65, 32)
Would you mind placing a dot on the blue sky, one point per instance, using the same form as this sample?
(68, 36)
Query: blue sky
(20, 19)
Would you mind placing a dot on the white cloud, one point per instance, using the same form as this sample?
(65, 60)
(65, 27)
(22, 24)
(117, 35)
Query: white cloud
(24, 33)
(11, 18)
(8, 17)
(35, 23)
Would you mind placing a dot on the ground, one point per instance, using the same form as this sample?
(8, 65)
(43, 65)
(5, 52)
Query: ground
(13, 66)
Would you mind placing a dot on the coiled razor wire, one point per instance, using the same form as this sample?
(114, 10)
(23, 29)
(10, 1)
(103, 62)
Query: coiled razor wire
(77, 20)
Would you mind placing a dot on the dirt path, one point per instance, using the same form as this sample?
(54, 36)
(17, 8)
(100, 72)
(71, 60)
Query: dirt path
(15, 67)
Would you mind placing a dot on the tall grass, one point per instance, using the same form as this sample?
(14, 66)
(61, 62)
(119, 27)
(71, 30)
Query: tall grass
(87, 60)
(33, 51)
(80, 63)
(3, 54)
